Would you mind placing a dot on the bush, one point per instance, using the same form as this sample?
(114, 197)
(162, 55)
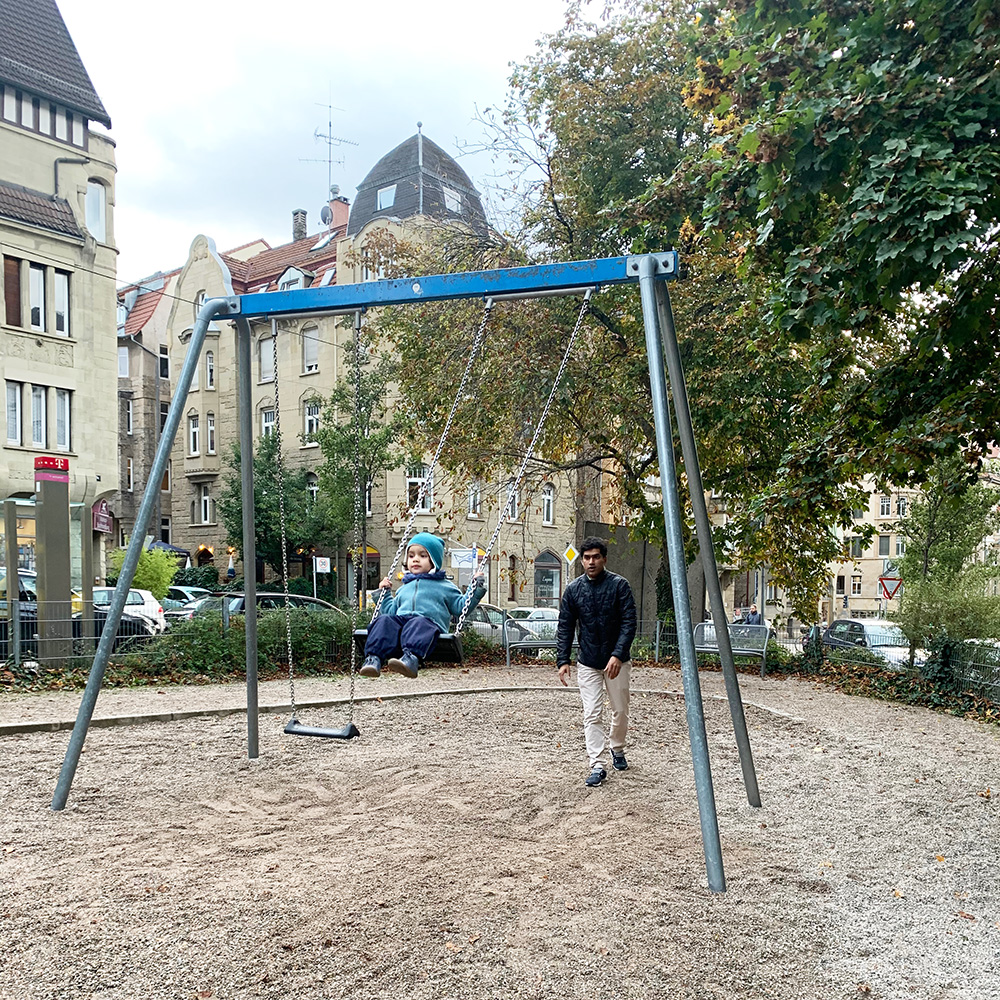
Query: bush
(198, 576)
(154, 572)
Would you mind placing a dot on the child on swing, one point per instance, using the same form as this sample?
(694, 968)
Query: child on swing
(408, 625)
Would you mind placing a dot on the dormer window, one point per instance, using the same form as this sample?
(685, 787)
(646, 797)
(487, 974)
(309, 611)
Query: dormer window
(452, 200)
(386, 197)
(291, 279)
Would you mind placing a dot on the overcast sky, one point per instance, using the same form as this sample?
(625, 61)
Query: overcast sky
(214, 104)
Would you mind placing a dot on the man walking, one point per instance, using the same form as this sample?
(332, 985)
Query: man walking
(601, 606)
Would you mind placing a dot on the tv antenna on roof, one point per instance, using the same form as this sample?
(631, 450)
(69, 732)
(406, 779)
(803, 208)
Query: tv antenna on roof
(331, 140)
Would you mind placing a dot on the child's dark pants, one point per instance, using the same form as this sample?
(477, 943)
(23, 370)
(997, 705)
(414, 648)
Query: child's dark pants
(389, 635)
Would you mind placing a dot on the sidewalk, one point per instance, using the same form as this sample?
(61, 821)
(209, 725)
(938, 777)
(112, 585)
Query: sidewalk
(56, 710)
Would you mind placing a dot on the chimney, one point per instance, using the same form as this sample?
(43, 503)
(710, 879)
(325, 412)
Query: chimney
(299, 228)
(340, 208)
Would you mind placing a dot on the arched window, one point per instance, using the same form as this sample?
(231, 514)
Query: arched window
(312, 485)
(96, 211)
(548, 579)
(209, 370)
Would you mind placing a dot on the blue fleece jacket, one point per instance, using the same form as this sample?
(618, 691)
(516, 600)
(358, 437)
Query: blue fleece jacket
(431, 595)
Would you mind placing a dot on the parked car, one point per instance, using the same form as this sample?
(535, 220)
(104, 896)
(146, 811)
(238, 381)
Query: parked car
(543, 622)
(138, 604)
(488, 620)
(133, 631)
(177, 597)
(883, 638)
(266, 601)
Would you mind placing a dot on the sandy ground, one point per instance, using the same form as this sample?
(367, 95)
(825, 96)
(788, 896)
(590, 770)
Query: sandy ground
(454, 852)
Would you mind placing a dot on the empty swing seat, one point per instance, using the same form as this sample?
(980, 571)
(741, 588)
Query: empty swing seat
(447, 650)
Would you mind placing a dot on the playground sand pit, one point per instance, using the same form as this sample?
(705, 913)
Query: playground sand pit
(454, 852)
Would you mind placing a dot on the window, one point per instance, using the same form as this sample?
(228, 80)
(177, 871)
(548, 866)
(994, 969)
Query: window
(290, 283)
(129, 482)
(452, 200)
(14, 390)
(27, 112)
(63, 439)
(900, 506)
(368, 498)
(512, 578)
(61, 289)
(771, 592)
(194, 432)
(77, 121)
(210, 433)
(840, 586)
(266, 422)
(164, 413)
(61, 130)
(900, 545)
(206, 505)
(265, 359)
(883, 545)
(386, 197)
(165, 530)
(165, 481)
(548, 578)
(39, 435)
(511, 512)
(310, 350)
(312, 486)
(199, 301)
(855, 586)
(416, 477)
(548, 504)
(123, 362)
(210, 370)
(164, 361)
(195, 382)
(10, 104)
(96, 213)
(312, 419)
(12, 290)
(856, 549)
(857, 513)
(885, 506)
(475, 500)
(36, 292)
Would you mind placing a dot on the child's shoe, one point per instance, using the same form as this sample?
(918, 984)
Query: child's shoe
(372, 667)
(406, 664)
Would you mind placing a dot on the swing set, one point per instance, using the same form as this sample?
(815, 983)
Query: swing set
(586, 278)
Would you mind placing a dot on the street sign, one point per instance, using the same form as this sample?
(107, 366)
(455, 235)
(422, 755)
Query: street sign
(322, 564)
(570, 554)
(889, 586)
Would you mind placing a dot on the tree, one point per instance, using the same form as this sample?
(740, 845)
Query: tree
(944, 587)
(855, 153)
(599, 112)
(309, 521)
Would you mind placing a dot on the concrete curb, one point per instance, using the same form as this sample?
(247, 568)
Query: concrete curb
(107, 722)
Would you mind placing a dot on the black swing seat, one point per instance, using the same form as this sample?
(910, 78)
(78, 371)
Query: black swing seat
(447, 650)
(295, 728)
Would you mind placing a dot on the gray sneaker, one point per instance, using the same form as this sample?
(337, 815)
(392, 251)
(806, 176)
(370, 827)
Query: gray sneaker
(618, 761)
(596, 776)
(372, 667)
(406, 664)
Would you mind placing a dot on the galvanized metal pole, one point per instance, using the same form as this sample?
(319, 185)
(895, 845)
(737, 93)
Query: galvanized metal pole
(244, 366)
(678, 577)
(149, 500)
(703, 526)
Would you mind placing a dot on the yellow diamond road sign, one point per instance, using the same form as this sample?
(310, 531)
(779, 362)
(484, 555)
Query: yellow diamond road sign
(570, 555)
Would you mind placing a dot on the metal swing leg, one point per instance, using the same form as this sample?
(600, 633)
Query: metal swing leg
(295, 728)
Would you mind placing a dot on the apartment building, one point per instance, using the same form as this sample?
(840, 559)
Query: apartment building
(57, 307)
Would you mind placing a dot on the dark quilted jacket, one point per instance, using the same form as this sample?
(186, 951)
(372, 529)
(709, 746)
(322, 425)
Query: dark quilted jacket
(604, 611)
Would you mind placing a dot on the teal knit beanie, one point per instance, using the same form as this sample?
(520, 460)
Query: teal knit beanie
(433, 544)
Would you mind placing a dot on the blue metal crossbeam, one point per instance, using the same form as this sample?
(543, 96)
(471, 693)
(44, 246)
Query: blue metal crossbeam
(512, 281)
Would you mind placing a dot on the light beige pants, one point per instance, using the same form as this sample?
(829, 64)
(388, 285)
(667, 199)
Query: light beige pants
(593, 684)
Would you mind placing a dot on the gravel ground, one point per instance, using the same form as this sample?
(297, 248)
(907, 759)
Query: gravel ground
(453, 851)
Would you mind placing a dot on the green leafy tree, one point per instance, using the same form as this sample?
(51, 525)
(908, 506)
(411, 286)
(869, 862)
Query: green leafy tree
(154, 572)
(309, 521)
(945, 588)
(855, 154)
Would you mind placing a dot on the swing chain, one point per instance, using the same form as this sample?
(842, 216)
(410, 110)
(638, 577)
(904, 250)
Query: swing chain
(515, 485)
(425, 485)
(360, 558)
(279, 468)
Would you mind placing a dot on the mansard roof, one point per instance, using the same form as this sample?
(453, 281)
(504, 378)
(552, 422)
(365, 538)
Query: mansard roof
(421, 171)
(34, 208)
(38, 54)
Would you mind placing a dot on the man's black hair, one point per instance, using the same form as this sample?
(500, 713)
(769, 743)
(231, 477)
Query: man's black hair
(593, 542)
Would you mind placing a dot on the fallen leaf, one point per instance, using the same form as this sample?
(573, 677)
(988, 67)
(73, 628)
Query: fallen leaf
(451, 946)
(985, 794)
(939, 857)
(864, 989)
(966, 916)
(473, 938)
(898, 893)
